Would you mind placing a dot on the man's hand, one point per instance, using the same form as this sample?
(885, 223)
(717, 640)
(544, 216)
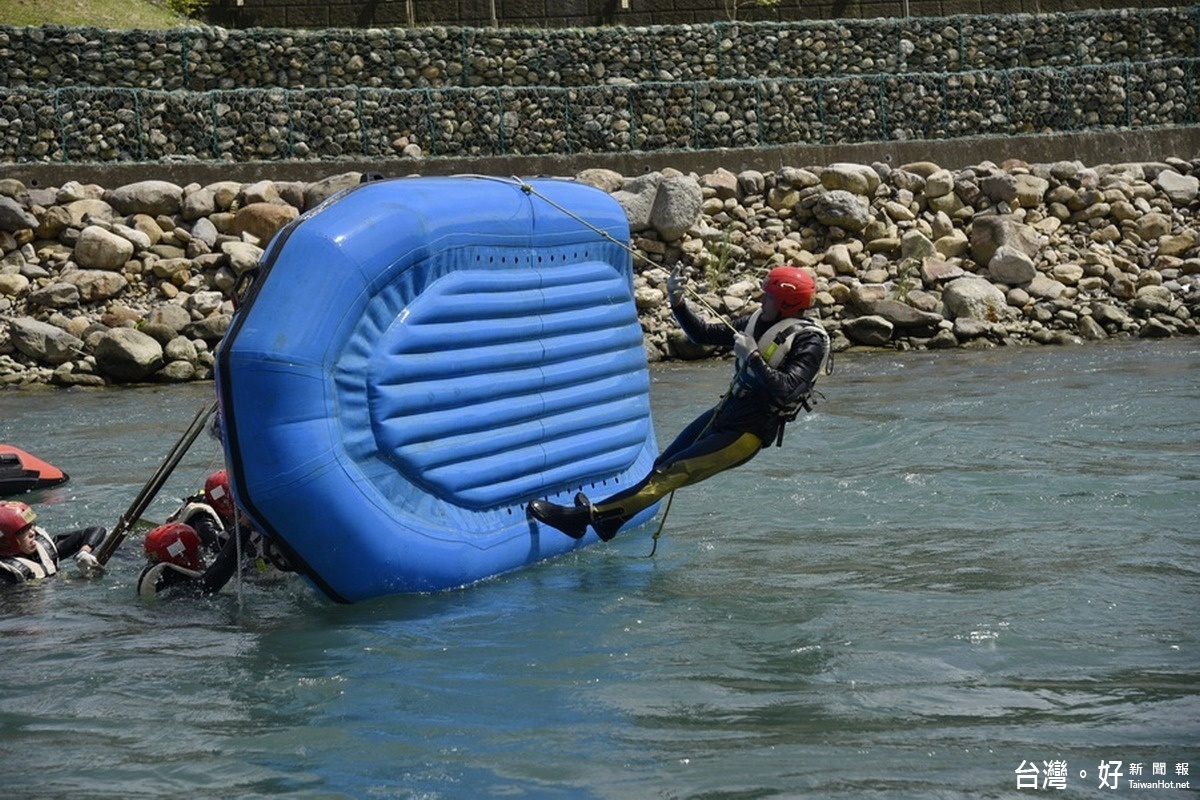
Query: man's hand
(89, 566)
(744, 345)
(676, 285)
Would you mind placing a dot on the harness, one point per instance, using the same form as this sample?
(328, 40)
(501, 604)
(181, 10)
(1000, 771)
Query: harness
(775, 345)
(44, 563)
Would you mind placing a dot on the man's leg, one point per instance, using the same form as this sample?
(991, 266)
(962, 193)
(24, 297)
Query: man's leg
(712, 453)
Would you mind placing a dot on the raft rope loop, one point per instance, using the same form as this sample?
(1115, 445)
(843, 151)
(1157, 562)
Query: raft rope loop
(528, 189)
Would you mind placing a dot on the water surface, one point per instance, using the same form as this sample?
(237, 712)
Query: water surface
(962, 563)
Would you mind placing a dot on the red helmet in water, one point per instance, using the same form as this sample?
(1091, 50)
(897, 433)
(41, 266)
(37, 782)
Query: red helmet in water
(216, 494)
(175, 543)
(14, 518)
(792, 288)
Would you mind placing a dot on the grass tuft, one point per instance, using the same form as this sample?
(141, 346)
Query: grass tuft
(111, 14)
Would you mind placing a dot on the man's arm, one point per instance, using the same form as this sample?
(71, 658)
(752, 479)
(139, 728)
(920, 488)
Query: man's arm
(703, 331)
(72, 542)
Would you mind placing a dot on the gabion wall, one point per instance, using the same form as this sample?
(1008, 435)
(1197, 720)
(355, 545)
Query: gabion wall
(71, 94)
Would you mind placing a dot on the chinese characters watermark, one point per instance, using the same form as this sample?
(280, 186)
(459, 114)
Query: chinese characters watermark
(1054, 774)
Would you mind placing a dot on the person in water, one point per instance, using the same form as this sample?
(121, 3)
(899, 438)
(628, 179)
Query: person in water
(211, 513)
(213, 516)
(175, 563)
(28, 553)
(779, 354)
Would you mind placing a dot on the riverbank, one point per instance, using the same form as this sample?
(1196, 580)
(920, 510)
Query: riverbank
(134, 283)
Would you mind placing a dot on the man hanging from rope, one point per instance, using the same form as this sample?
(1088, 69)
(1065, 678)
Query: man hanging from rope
(779, 354)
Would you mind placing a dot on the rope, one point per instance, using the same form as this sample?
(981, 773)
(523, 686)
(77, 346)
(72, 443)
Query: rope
(528, 189)
(237, 538)
(661, 524)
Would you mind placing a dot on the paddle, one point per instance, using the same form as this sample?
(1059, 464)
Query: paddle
(152, 487)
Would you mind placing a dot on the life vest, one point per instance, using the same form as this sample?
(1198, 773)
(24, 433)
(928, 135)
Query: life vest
(163, 575)
(187, 514)
(205, 520)
(42, 564)
(775, 345)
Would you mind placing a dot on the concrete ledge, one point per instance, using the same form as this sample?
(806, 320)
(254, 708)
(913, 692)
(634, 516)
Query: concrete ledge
(1090, 148)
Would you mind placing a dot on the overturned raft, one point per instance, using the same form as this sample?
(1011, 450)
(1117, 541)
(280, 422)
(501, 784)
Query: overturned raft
(417, 360)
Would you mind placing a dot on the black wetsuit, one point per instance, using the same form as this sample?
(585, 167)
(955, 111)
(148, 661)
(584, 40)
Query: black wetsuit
(727, 435)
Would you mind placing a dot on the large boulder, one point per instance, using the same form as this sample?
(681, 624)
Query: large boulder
(1182, 189)
(13, 217)
(127, 354)
(147, 197)
(263, 220)
(676, 206)
(990, 232)
(98, 248)
(43, 342)
(604, 179)
(842, 209)
(857, 179)
(1011, 266)
(637, 198)
(871, 330)
(905, 318)
(322, 190)
(974, 298)
(95, 285)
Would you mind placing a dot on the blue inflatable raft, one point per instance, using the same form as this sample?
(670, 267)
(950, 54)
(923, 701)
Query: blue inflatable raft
(417, 360)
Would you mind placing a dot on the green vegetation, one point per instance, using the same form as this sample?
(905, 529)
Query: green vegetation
(718, 260)
(906, 278)
(139, 14)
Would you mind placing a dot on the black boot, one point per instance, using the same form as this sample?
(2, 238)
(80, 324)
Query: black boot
(571, 521)
(605, 523)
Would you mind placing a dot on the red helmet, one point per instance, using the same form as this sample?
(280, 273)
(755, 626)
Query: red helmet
(216, 493)
(792, 288)
(175, 543)
(14, 518)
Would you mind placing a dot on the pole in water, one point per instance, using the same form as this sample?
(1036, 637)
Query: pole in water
(152, 487)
